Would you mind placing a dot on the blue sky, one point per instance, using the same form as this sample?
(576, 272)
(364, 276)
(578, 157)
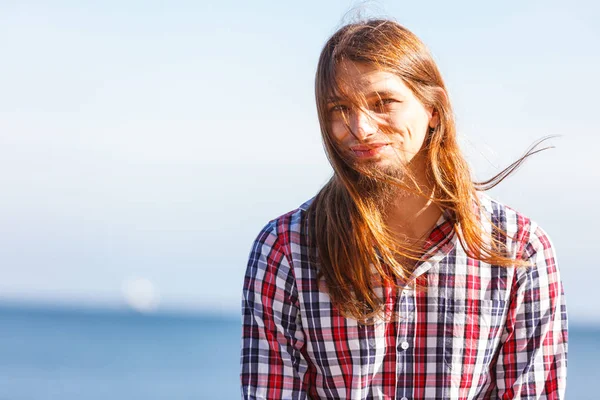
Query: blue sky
(154, 139)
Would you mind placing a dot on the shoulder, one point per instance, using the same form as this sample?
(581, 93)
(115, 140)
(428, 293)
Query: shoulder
(502, 215)
(524, 237)
(522, 234)
(285, 230)
(506, 224)
(272, 251)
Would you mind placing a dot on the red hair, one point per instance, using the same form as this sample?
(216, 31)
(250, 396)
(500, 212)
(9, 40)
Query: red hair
(347, 229)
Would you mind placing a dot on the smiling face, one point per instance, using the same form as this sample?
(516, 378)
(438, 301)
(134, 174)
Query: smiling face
(386, 128)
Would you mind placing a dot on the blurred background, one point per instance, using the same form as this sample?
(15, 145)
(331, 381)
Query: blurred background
(144, 144)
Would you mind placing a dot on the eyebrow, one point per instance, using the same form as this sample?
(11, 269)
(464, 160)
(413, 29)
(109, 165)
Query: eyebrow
(377, 93)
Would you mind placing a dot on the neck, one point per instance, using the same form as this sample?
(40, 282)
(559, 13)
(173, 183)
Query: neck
(411, 216)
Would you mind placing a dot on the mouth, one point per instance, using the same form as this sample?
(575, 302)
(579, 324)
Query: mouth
(368, 150)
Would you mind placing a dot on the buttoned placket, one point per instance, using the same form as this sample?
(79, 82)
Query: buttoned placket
(408, 298)
(405, 311)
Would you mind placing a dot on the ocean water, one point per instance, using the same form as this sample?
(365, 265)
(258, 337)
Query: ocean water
(68, 355)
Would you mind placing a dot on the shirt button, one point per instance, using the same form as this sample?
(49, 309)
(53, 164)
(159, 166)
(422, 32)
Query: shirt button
(404, 346)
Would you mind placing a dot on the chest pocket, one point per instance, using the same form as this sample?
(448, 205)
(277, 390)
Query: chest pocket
(471, 332)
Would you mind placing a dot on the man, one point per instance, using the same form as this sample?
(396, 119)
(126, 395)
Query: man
(400, 279)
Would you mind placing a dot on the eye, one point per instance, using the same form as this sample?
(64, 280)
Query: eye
(336, 108)
(382, 104)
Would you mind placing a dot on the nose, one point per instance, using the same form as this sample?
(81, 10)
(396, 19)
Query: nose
(362, 124)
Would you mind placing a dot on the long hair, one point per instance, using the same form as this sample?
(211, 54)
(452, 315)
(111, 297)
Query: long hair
(348, 231)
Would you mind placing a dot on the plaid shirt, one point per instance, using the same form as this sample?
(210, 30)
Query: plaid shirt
(479, 331)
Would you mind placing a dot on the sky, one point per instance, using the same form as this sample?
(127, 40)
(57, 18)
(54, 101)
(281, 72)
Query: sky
(144, 144)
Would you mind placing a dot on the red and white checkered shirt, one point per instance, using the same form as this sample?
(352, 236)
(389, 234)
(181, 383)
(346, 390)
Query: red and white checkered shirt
(479, 331)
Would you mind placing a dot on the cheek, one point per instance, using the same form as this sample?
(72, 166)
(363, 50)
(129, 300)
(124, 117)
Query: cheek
(411, 123)
(338, 130)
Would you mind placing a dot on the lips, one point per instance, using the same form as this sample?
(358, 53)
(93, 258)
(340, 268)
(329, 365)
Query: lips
(368, 150)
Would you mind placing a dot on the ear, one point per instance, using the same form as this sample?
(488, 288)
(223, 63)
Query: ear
(434, 120)
(442, 97)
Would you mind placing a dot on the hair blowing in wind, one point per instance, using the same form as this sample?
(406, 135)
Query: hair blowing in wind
(354, 247)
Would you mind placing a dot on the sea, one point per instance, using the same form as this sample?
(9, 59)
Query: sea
(70, 354)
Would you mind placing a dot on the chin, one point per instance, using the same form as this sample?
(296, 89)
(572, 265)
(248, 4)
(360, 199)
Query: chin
(386, 167)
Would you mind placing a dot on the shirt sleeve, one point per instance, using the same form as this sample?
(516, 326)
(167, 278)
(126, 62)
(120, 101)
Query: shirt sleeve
(532, 362)
(272, 365)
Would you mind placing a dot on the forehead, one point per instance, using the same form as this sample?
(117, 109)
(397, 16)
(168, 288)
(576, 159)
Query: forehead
(356, 78)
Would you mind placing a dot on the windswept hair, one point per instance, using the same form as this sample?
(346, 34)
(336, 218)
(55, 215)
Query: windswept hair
(347, 229)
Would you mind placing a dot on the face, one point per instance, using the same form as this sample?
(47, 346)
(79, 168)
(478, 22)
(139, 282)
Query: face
(389, 130)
